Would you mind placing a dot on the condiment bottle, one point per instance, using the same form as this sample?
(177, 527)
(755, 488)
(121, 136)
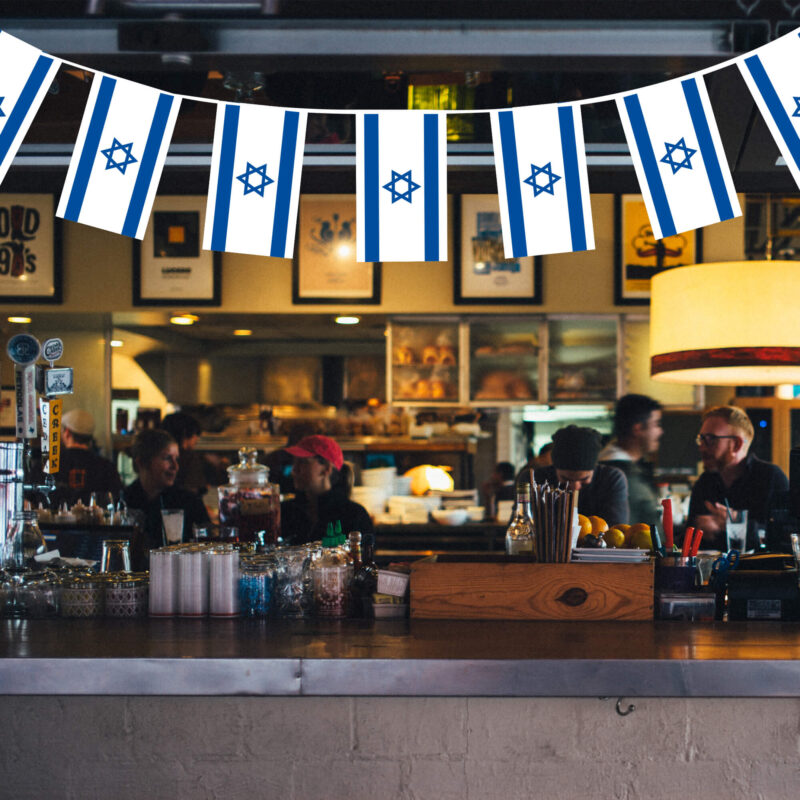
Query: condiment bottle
(365, 574)
(519, 534)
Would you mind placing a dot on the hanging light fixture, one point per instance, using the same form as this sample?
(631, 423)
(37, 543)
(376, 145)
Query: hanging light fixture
(728, 324)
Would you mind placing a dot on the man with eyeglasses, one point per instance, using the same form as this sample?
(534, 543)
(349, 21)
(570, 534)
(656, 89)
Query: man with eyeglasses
(732, 475)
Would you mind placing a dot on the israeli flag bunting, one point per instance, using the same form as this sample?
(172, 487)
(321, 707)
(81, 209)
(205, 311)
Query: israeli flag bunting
(119, 155)
(25, 76)
(771, 75)
(401, 180)
(542, 180)
(678, 156)
(255, 180)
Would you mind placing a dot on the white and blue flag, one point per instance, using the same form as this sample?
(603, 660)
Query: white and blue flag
(678, 156)
(542, 181)
(119, 155)
(25, 76)
(401, 180)
(255, 180)
(771, 75)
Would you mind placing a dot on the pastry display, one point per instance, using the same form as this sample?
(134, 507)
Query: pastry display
(447, 356)
(403, 355)
(430, 355)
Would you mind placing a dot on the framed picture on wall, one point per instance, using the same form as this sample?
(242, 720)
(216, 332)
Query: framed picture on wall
(325, 269)
(639, 256)
(30, 249)
(482, 275)
(170, 268)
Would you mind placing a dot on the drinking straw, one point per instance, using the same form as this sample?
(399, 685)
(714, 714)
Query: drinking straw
(728, 510)
(687, 542)
(669, 541)
(698, 535)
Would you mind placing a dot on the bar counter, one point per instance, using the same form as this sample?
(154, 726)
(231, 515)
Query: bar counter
(399, 658)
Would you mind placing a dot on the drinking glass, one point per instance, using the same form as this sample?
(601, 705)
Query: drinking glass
(116, 556)
(172, 522)
(736, 530)
(795, 537)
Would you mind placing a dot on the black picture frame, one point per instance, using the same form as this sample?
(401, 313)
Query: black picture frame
(463, 227)
(46, 256)
(622, 296)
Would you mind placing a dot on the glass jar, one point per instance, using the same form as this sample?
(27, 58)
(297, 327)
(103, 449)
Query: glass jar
(291, 595)
(37, 596)
(83, 596)
(331, 576)
(23, 541)
(249, 502)
(256, 578)
(126, 595)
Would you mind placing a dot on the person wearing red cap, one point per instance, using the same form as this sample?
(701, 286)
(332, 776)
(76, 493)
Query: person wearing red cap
(322, 482)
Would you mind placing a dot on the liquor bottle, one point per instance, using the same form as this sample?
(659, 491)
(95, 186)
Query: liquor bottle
(365, 574)
(519, 534)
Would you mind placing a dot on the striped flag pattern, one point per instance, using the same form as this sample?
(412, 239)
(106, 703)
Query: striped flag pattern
(254, 187)
(678, 156)
(771, 75)
(25, 76)
(401, 186)
(119, 155)
(542, 180)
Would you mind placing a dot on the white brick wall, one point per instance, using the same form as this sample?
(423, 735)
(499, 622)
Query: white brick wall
(384, 748)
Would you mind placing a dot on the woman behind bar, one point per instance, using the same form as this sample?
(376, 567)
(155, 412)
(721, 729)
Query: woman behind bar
(323, 482)
(155, 459)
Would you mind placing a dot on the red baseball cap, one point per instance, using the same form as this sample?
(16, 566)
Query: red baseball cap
(322, 446)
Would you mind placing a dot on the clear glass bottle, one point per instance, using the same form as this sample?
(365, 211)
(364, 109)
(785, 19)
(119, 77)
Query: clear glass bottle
(519, 534)
(23, 541)
(331, 575)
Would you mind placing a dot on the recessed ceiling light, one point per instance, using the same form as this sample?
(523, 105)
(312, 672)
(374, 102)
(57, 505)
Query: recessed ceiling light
(345, 320)
(20, 320)
(116, 342)
(242, 332)
(184, 319)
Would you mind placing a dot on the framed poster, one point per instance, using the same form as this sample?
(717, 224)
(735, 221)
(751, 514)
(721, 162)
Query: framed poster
(30, 249)
(325, 269)
(639, 256)
(170, 268)
(481, 273)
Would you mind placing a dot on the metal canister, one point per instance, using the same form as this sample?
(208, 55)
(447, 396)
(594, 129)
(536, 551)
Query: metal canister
(83, 596)
(126, 595)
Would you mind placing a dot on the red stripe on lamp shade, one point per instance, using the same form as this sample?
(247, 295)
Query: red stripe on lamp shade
(725, 357)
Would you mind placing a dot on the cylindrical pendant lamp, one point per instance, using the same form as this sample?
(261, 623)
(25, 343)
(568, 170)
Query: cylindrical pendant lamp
(735, 323)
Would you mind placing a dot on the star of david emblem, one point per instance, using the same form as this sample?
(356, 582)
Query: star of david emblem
(258, 188)
(109, 152)
(687, 155)
(2, 113)
(795, 113)
(550, 176)
(398, 177)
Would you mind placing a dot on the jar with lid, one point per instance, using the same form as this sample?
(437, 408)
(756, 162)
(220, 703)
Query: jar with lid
(37, 596)
(331, 576)
(83, 596)
(291, 595)
(126, 595)
(256, 576)
(23, 541)
(249, 501)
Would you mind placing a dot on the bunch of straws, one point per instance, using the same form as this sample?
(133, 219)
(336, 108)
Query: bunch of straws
(553, 511)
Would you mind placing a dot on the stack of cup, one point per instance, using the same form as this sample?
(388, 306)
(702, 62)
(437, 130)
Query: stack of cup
(163, 600)
(193, 582)
(223, 577)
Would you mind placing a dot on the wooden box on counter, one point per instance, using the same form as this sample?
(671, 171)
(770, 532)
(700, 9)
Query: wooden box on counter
(460, 589)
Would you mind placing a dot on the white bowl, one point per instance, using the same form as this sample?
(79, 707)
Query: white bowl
(475, 513)
(450, 516)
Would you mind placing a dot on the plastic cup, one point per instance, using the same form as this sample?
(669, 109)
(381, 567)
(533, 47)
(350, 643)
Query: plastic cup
(172, 523)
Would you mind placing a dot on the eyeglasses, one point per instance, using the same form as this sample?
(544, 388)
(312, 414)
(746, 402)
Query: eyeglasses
(710, 439)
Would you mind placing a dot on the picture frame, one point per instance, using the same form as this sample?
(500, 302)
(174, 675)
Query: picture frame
(481, 273)
(170, 267)
(8, 409)
(638, 257)
(324, 269)
(30, 249)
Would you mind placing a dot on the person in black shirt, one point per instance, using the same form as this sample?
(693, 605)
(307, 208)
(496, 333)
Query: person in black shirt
(322, 481)
(155, 459)
(732, 475)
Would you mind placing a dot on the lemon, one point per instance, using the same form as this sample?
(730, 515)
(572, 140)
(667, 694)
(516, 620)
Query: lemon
(614, 537)
(640, 536)
(599, 525)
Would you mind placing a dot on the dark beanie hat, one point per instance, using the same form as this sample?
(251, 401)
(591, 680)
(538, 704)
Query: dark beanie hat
(576, 448)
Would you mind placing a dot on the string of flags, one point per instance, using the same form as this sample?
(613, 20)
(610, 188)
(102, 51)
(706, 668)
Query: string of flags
(401, 164)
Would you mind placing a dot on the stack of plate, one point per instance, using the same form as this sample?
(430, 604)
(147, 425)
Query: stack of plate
(597, 554)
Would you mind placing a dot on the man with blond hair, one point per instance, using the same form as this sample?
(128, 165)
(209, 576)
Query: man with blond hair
(733, 477)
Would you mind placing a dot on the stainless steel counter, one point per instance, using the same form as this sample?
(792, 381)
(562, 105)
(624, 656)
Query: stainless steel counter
(418, 658)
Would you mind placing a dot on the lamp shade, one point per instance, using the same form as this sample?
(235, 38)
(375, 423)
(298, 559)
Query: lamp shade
(735, 323)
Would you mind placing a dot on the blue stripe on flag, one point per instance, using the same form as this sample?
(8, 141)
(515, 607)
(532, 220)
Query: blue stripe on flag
(90, 145)
(776, 109)
(650, 165)
(28, 94)
(707, 149)
(144, 176)
(372, 235)
(283, 197)
(508, 144)
(222, 202)
(572, 179)
(430, 186)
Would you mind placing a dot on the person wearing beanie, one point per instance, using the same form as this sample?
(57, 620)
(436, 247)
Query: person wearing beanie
(603, 490)
(82, 470)
(322, 482)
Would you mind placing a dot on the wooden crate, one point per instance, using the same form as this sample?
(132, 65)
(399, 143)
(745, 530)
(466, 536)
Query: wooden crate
(482, 590)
